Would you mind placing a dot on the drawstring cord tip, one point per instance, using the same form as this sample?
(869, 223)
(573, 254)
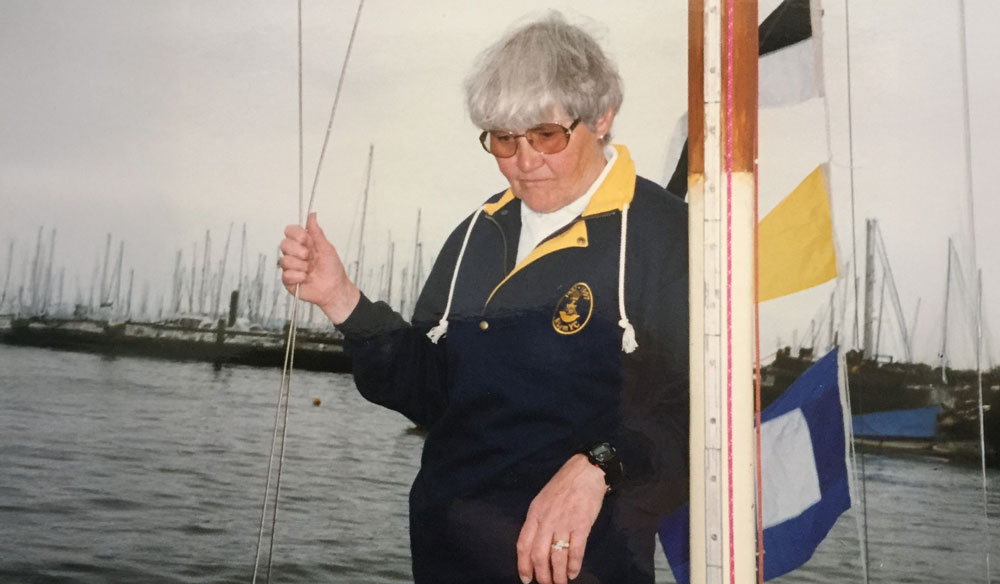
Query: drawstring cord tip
(629, 344)
(438, 331)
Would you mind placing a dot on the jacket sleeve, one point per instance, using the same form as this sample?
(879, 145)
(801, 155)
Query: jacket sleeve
(394, 363)
(654, 416)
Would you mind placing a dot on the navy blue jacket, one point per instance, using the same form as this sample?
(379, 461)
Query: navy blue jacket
(531, 370)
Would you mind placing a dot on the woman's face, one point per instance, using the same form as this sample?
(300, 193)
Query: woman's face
(549, 182)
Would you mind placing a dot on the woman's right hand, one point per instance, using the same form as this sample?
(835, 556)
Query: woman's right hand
(309, 261)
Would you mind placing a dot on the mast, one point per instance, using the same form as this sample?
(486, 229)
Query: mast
(413, 264)
(10, 265)
(418, 272)
(944, 331)
(93, 283)
(255, 311)
(913, 323)
(47, 294)
(239, 277)
(722, 101)
(867, 347)
(389, 269)
(62, 281)
(402, 293)
(206, 267)
(222, 274)
(878, 327)
(359, 274)
(194, 261)
(117, 277)
(104, 273)
(128, 298)
(175, 298)
(897, 306)
(966, 294)
(144, 303)
(275, 290)
(35, 268)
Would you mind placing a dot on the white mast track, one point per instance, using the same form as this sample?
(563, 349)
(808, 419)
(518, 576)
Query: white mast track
(721, 198)
(712, 284)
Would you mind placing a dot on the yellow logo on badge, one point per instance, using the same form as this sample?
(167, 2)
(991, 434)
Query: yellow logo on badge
(573, 310)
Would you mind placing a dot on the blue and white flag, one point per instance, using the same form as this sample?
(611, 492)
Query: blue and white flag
(805, 480)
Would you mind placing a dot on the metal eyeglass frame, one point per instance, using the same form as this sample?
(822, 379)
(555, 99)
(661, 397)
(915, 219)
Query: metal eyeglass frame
(568, 131)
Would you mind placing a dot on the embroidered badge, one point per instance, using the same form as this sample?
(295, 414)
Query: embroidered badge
(573, 310)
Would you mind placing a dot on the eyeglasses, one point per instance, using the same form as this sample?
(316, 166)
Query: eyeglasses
(546, 138)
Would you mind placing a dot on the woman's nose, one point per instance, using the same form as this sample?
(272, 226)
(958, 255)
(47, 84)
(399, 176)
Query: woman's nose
(528, 158)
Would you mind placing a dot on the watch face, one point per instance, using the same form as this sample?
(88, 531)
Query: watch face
(602, 452)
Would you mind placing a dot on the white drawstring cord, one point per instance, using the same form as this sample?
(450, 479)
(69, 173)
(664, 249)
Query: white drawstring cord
(629, 343)
(441, 329)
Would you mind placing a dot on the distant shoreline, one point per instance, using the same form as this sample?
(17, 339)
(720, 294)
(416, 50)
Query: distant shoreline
(220, 345)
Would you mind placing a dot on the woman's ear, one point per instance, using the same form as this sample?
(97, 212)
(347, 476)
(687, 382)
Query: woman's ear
(603, 125)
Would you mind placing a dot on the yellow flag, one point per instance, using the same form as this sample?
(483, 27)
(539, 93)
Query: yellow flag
(795, 241)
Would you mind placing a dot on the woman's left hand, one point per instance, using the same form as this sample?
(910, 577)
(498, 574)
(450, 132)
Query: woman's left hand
(563, 511)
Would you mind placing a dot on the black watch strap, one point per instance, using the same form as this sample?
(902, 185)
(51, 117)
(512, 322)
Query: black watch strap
(605, 457)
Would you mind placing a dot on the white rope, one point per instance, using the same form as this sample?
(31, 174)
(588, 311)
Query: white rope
(982, 432)
(860, 518)
(441, 329)
(629, 343)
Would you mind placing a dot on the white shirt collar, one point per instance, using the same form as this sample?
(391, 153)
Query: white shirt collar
(536, 226)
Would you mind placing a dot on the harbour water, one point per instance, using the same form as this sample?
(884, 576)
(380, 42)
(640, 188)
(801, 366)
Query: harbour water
(134, 470)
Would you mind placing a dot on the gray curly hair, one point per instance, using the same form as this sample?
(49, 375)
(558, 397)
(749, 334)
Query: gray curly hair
(537, 68)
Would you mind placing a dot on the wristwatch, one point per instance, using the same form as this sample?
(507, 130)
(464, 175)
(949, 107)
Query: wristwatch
(605, 457)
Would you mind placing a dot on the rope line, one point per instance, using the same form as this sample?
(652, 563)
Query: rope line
(854, 255)
(270, 463)
(283, 393)
(982, 433)
(286, 375)
(333, 110)
(756, 349)
(730, 39)
(850, 166)
(970, 200)
(284, 388)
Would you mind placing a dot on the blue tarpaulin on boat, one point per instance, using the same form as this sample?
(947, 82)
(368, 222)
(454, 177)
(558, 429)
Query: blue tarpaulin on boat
(918, 423)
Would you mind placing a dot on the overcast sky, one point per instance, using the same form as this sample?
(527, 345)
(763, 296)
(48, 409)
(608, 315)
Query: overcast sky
(155, 121)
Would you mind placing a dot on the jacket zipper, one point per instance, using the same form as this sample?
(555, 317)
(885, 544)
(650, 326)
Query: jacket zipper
(503, 238)
(554, 234)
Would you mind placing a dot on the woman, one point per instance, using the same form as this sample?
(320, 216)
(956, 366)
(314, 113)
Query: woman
(548, 351)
